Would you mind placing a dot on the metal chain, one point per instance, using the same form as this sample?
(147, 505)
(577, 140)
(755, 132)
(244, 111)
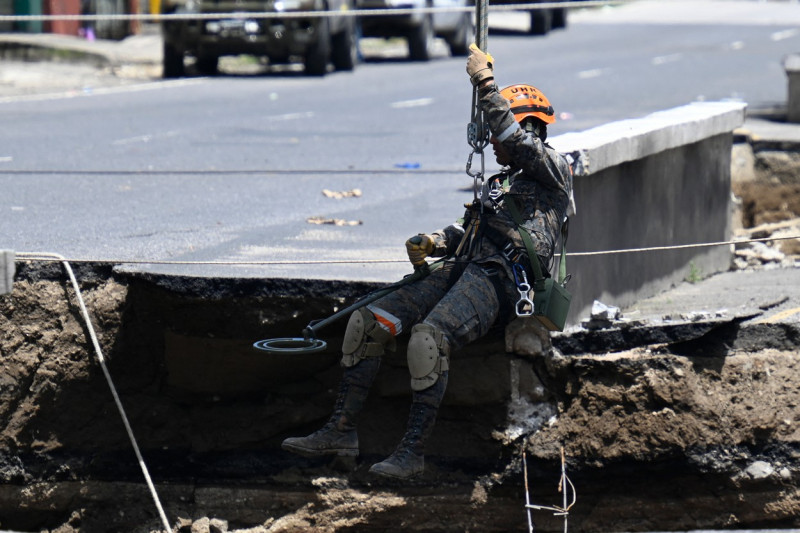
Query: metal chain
(477, 131)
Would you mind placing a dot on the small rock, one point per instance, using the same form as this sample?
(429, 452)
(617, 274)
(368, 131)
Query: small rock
(215, 525)
(696, 316)
(602, 311)
(759, 470)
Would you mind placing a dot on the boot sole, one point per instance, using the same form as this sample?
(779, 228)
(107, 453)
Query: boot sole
(394, 476)
(311, 452)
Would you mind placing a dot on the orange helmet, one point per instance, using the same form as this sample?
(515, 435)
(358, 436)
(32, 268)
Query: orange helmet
(528, 101)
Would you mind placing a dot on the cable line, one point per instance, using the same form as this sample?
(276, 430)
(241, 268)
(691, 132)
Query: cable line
(48, 257)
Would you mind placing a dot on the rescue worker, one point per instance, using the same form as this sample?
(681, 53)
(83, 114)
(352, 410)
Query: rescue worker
(475, 288)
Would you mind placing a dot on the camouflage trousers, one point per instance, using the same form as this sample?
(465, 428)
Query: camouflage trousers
(458, 299)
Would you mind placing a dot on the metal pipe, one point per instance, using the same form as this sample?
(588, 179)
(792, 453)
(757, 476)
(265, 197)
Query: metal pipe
(420, 272)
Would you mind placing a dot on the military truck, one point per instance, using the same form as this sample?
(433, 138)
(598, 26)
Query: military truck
(243, 28)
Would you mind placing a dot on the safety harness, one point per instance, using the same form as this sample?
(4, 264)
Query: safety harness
(550, 301)
(523, 262)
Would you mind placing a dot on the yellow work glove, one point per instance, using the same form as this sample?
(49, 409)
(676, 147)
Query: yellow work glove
(479, 65)
(419, 247)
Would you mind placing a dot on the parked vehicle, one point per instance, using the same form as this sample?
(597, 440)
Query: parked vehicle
(420, 29)
(542, 20)
(316, 41)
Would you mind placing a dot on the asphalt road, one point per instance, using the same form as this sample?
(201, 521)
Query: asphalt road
(232, 168)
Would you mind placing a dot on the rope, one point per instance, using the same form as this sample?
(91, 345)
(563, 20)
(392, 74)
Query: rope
(232, 172)
(46, 257)
(565, 487)
(101, 359)
(681, 246)
(304, 14)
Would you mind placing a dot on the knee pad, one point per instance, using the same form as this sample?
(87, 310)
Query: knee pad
(428, 352)
(363, 338)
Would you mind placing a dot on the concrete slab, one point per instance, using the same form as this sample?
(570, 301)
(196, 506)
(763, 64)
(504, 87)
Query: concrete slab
(619, 142)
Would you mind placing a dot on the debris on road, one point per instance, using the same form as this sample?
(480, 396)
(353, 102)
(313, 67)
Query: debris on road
(333, 221)
(352, 193)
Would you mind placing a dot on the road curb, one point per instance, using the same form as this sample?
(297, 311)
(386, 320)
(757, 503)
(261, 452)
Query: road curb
(19, 50)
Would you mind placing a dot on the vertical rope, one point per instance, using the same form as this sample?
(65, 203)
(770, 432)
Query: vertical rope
(477, 131)
(482, 24)
(107, 374)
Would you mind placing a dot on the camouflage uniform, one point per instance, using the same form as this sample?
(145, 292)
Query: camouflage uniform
(455, 304)
(465, 307)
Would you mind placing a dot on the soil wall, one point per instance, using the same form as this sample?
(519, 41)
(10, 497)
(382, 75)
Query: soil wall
(672, 436)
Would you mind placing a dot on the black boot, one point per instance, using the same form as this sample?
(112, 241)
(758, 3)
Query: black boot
(408, 459)
(338, 436)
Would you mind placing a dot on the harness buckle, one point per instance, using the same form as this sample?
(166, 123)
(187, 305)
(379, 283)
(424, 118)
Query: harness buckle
(510, 253)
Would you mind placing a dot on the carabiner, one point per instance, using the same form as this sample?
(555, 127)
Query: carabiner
(524, 305)
(479, 173)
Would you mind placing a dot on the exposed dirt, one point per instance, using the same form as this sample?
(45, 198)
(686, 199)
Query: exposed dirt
(673, 436)
(764, 203)
(646, 431)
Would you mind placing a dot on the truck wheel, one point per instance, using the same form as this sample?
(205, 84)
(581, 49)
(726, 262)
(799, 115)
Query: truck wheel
(459, 42)
(173, 61)
(541, 21)
(560, 18)
(344, 53)
(207, 65)
(317, 55)
(420, 40)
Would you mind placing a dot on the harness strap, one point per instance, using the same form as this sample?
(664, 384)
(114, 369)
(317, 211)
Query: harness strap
(562, 263)
(502, 298)
(538, 277)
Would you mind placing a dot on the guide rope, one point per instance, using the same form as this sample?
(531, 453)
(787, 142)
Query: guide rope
(107, 374)
(47, 257)
(568, 495)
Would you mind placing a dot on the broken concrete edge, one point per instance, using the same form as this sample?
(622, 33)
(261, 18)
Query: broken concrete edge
(7, 269)
(197, 287)
(737, 330)
(612, 144)
(791, 65)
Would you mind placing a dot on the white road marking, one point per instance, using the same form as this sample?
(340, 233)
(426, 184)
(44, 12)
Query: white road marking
(146, 138)
(6, 159)
(592, 73)
(785, 34)
(661, 60)
(291, 116)
(419, 102)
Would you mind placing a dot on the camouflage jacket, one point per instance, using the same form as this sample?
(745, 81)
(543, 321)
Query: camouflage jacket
(540, 180)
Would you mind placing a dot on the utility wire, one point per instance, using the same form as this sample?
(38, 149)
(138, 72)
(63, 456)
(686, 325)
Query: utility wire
(307, 14)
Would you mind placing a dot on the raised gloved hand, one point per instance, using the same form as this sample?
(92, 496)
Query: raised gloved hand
(419, 247)
(479, 65)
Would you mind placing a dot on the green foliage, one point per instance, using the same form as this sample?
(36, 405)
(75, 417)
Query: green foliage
(695, 274)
